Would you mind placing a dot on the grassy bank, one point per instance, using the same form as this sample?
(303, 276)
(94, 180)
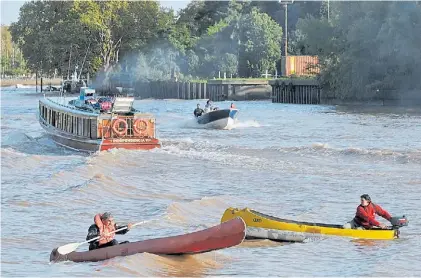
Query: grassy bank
(30, 82)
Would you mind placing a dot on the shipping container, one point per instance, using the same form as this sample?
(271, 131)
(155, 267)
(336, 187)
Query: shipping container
(302, 65)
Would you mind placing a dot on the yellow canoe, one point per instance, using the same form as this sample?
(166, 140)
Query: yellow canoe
(260, 225)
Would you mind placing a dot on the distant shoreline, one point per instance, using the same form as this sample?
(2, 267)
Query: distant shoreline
(30, 82)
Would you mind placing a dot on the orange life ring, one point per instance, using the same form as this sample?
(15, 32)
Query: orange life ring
(116, 127)
(140, 127)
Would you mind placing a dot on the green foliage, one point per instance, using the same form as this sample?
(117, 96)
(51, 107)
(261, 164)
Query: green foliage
(54, 35)
(261, 42)
(366, 48)
(12, 62)
(363, 47)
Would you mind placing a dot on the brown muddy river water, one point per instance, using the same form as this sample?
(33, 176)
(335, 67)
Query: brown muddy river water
(308, 163)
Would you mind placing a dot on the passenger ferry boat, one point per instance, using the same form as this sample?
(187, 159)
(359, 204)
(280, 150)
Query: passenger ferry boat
(97, 124)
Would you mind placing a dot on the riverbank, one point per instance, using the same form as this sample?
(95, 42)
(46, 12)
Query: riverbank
(30, 82)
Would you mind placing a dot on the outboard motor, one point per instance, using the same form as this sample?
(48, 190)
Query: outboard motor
(399, 222)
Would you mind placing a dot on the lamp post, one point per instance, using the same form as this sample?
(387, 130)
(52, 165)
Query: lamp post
(328, 13)
(285, 3)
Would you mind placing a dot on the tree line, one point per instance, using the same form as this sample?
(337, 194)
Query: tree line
(363, 47)
(141, 39)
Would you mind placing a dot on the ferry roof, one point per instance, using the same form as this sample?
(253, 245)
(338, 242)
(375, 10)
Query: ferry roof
(68, 108)
(53, 102)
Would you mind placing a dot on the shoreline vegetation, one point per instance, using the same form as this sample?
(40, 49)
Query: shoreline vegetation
(359, 47)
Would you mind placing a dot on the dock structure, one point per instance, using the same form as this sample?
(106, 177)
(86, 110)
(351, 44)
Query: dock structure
(215, 90)
(171, 90)
(284, 90)
(296, 91)
(238, 89)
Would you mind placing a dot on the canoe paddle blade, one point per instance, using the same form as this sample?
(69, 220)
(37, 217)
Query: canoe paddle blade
(68, 248)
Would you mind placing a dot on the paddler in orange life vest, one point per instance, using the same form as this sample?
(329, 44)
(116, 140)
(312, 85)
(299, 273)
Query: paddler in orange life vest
(365, 218)
(104, 226)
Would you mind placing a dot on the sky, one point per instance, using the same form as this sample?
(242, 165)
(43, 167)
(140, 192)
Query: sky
(10, 8)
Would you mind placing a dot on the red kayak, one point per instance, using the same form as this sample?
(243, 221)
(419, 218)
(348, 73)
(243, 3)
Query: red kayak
(224, 235)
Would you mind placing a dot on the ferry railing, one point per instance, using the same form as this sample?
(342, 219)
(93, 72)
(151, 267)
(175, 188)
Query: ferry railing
(107, 123)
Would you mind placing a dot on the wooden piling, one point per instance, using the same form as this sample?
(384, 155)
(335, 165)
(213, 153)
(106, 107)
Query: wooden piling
(296, 91)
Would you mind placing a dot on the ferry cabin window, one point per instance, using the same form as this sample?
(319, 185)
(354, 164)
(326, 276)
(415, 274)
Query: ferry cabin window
(79, 126)
(54, 118)
(76, 125)
(86, 128)
(63, 122)
(70, 125)
(90, 128)
(83, 127)
(68, 122)
(73, 125)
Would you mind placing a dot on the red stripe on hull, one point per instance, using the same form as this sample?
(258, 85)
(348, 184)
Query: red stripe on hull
(130, 144)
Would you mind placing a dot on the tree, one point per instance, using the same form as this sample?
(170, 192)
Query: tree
(366, 48)
(104, 22)
(261, 39)
(200, 15)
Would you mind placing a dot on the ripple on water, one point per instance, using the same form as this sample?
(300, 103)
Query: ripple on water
(296, 162)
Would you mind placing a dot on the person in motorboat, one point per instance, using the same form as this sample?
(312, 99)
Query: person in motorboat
(198, 111)
(365, 215)
(232, 106)
(104, 227)
(208, 106)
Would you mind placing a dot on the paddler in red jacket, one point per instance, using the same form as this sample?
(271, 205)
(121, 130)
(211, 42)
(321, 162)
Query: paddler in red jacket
(366, 215)
(104, 227)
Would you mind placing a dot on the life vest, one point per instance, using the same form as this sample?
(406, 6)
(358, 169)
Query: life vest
(104, 230)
